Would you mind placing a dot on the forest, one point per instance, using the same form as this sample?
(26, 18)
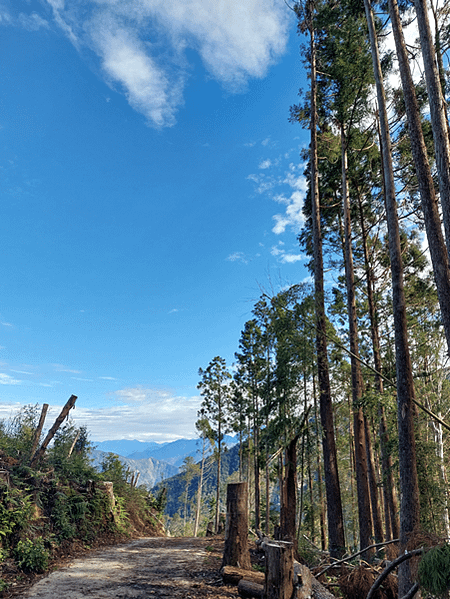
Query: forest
(340, 389)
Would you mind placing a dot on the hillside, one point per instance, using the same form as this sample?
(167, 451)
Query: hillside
(175, 486)
(151, 470)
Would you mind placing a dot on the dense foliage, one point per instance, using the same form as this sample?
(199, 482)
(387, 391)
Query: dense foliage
(63, 501)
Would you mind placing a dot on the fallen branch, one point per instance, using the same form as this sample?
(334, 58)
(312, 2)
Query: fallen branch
(388, 570)
(350, 557)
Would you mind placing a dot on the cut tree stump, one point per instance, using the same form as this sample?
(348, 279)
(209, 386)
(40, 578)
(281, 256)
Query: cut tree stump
(236, 551)
(279, 570)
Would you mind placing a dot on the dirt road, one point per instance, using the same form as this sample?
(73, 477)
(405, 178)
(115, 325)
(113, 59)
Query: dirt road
(146, 568)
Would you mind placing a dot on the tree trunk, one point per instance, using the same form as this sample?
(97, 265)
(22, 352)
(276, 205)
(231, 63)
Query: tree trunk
(373, 486)
(436, 101)
(438, 250)
(236, 551)
(288, 507)
(257, 483)
(362, 480)
(323, 534)
(279, 582)
(409, 510)
(199, 489)
(389, 492)
(336, 540)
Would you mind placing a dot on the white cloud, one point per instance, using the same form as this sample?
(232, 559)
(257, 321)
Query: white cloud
(283, 256)
(293, 215)
(6, 379)
(142, 44)
(265, 164)
(238, 257)
(125, 59)
(143, 414)
(32, 22)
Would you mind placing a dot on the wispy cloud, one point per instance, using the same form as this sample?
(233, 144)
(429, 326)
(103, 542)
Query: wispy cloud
(31, 22)
(61, 368)
(265, 164)
(107, 378)
(141, 44)
(238, 257)
(285, 256)
(6, 379)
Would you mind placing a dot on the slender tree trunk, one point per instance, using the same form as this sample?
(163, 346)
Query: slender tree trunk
(436, 101)
(439, 441)
(389, 492)
(438, 250)
(199, 489)
(409, 511)
(362, 479)
(373, 486)
(256, 469)
(219, 464)
(323, 533)
(336, 540)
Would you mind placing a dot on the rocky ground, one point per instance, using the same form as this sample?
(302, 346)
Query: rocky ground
(162, 567)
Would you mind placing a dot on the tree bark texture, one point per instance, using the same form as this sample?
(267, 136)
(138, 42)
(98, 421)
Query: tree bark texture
(279, 583)
(373, 486)
(436, 101)
(288, 508)
(236, 551)
(438, 249)
(409, 488)
(362, 480)
(336, 540)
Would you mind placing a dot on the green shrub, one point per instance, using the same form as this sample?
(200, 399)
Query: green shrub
(434, 570)
(31, 555)
(15, 511)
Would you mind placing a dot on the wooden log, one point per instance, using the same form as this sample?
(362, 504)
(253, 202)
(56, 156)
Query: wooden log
(51, 433)
(72, 447)
(250, 589)
(232, 575)
(38, 431)
(236, 551)
(279, 582)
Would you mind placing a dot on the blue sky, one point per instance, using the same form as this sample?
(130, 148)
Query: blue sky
(151, 186)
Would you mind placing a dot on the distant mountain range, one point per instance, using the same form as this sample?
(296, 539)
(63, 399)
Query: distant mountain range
(151, 471)
(176, 485)
(154, 461)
